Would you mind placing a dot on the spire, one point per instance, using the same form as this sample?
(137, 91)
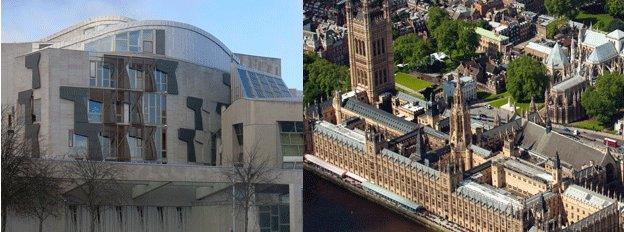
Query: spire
(532, 106)
(543, 204)
(497, 119)
(460, 131)
(557, 160)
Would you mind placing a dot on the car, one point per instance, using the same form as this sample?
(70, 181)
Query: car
(566, 129)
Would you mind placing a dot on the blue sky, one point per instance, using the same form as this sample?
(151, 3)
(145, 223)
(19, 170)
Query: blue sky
(261, 27)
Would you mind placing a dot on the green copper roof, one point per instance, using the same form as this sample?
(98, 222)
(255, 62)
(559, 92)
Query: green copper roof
(491, 35)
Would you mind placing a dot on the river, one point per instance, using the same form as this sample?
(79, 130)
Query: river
(328, 207)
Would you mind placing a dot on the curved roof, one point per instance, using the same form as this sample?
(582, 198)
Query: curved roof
(127, 23)
(119, 19)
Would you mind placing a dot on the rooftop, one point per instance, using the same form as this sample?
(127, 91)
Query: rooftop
(587, 196)
(491, 35)
(493, 197)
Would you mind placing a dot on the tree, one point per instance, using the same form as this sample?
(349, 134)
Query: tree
(435, 17)
(615, 8)
(17, 164)
(412, 51)
(561, 7)
(526, 78)
(598, 105)
(610, 25)
(321, 78)
(254, 168)
(97, 185)
(46, 193)
(604, 99)
(456, 38)
(553, 27)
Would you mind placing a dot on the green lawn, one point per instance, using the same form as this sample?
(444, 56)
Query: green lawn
(411, 82)
(590, 124)
(500, 99)
(598, 20)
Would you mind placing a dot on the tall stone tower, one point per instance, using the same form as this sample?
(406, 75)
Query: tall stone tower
(370, 47)
(460, 133)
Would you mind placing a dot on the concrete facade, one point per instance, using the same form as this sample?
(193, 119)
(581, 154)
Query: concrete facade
(150, 97)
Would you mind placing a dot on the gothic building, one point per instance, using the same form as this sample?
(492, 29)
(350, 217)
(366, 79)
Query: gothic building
(370, 48)
(563, 101)
(516, 176)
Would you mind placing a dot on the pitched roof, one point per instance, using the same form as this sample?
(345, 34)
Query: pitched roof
(568, 83)
(535, 138)
(602, 53)
(380, 116)
(617, 34)
(349, 137)
(594, 38)
(557, 58)
(587, 196)
(491, 35)
(493, 197)
(404, 160)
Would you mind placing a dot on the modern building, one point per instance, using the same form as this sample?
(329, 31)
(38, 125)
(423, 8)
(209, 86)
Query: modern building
(157, 96)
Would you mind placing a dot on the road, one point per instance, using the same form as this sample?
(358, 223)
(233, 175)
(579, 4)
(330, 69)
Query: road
(591, 138)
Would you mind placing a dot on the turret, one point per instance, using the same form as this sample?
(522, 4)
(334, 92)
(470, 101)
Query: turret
(337, 104)
(374, 141)
(557, 171)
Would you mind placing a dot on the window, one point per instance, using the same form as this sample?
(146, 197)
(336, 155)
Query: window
(161, 81)
(274, 218)
(148, 41)
(133, 42)
(121, 42)
(101, 75)
(136, 78)
(291, 137)
(238, 130)
(95, 111)
(105, 145)
(80, 144)
(136, 145)
(37, 110)
(154, 108)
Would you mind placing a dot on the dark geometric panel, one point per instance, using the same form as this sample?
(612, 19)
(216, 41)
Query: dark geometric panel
(226, 79)
(32, 62)
(24, 98)
(219, 106)
(195, 104)
(160, 42)
(169, 67)
(32, 134)
(188, 136)
(80, 97)
(148, 142)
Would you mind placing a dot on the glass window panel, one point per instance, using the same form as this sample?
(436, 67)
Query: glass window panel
(299, 126)
(148, 35)
(133, 42)
(135, 145)
(105, 144)
(148, 46)
(121, 42)
(95, 112)
(80, 144)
